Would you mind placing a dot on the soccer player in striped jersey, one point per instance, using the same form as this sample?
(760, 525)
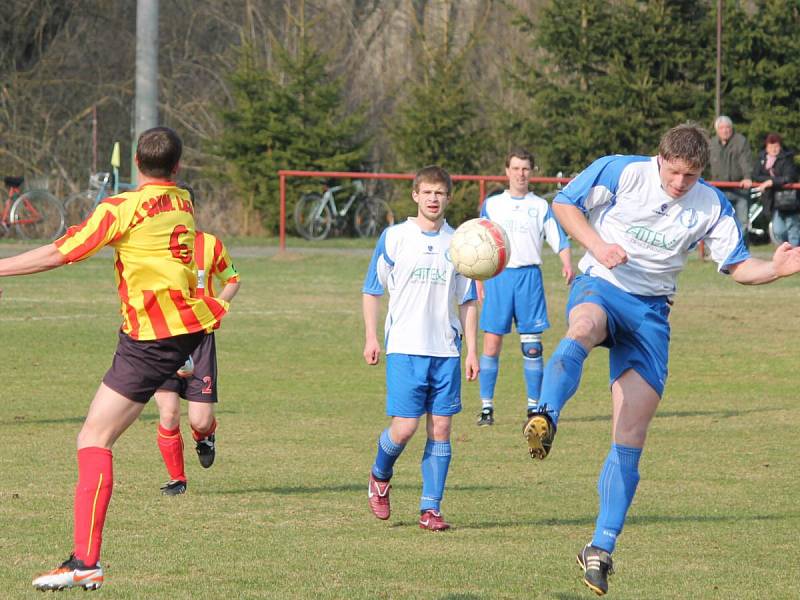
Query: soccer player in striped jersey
(431, 307)
(198, 383)
(638, 217)
(517, 293)
(152, 231)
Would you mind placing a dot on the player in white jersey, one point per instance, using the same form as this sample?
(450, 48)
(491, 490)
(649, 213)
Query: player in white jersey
(645, 214)
(517, 294)
(431, 306)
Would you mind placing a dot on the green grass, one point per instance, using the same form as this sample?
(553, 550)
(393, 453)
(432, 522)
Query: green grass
(282, 514)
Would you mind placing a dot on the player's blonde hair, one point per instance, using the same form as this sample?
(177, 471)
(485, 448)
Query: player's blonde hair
(687, 142)
(433, 174)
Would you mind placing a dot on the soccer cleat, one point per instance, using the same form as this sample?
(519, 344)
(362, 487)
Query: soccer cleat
(206, 451)
(432, 521)
(72, 573)
(540, 431)
(174, 487)
(486, 417)
(378, 495)
(597, 566)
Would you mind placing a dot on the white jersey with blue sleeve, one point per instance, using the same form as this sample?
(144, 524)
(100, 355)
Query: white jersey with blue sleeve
(625, 203)
(424, 289)
(528, 221)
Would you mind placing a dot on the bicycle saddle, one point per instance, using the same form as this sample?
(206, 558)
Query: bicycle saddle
(13, 181)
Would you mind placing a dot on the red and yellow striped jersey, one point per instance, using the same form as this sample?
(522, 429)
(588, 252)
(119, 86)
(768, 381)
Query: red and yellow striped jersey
(213, 261)
(152, 232)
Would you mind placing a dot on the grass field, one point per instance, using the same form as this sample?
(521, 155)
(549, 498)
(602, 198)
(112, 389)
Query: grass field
(282, 514)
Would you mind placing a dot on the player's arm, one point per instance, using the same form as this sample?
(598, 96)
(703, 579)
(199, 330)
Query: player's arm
(468, 314)
(567, 271)
(229, 291)
(40, 259)
(371, 306)
(575, 224)
(753, 271)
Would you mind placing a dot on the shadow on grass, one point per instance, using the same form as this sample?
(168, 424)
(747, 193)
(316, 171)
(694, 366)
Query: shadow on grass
(346, 487)
(23, 420)
(724, 414)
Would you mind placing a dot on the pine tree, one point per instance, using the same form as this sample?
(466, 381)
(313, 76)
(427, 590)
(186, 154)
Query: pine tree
(287, 117)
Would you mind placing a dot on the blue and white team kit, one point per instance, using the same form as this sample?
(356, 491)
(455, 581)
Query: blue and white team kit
(625, 203)
(422, 330)
(518, 292)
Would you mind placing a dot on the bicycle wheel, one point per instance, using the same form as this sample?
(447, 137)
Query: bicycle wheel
(37, 215)
(78, 206)
(372, 216)
(313, 217)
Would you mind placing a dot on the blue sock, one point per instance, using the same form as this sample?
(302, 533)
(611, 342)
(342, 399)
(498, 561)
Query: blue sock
(532, 370)
(388, 452)
(562, 375)
(487, 377)
(435, 462)
(616, 487)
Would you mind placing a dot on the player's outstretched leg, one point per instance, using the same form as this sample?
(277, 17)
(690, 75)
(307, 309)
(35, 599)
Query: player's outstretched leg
(206, 445)
(562, 376)
(381, 473)
(435, 464)
(487, 379)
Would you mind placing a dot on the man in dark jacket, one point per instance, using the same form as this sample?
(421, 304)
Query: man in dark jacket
(732, 160)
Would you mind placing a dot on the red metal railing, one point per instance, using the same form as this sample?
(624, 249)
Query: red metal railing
(481, 179)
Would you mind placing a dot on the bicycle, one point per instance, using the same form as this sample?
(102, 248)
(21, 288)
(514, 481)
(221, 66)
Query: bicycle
(101, 185)
(316, 215)
(758, 228)
(34, 214)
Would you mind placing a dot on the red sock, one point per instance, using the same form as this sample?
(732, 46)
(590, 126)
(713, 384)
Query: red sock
(170, 443)
(199, 436)
(92, 496)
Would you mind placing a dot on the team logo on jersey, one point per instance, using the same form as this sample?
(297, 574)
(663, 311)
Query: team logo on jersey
(646, 237)
(533, 212)
(447, 255)
(688, 217)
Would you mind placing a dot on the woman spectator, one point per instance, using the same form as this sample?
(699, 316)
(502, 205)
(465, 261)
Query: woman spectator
(775, 169)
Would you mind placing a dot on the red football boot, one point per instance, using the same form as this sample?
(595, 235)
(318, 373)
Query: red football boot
(378, 495)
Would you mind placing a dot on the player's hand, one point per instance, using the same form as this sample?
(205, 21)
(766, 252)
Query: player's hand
(786, 260)
(372, 352)
(471, 366)
(567, 273)
(610, 255)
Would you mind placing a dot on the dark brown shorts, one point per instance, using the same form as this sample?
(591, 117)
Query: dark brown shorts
(200, 386)
(141, 367)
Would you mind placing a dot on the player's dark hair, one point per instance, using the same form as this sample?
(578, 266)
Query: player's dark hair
(520, 153)
(433, 174)
(158, 151)
(687, 142)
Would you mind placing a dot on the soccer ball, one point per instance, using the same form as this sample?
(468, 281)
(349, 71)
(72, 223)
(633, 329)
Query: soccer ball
(187, 369)
(480, 249)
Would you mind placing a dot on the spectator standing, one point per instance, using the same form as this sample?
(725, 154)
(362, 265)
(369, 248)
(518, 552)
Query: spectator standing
(775, 169)
(732, 160)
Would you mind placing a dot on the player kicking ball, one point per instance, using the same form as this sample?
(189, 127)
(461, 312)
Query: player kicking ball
(197, 380)
(638, 217)
(423, 334)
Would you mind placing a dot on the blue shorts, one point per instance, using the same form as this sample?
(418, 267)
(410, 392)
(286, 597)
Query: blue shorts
(638, 329)
(516, 294)
(416, 385)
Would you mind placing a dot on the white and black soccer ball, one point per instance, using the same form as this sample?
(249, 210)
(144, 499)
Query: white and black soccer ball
(480, 249)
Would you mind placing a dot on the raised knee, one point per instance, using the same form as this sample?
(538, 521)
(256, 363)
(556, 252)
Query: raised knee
(531, 345)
